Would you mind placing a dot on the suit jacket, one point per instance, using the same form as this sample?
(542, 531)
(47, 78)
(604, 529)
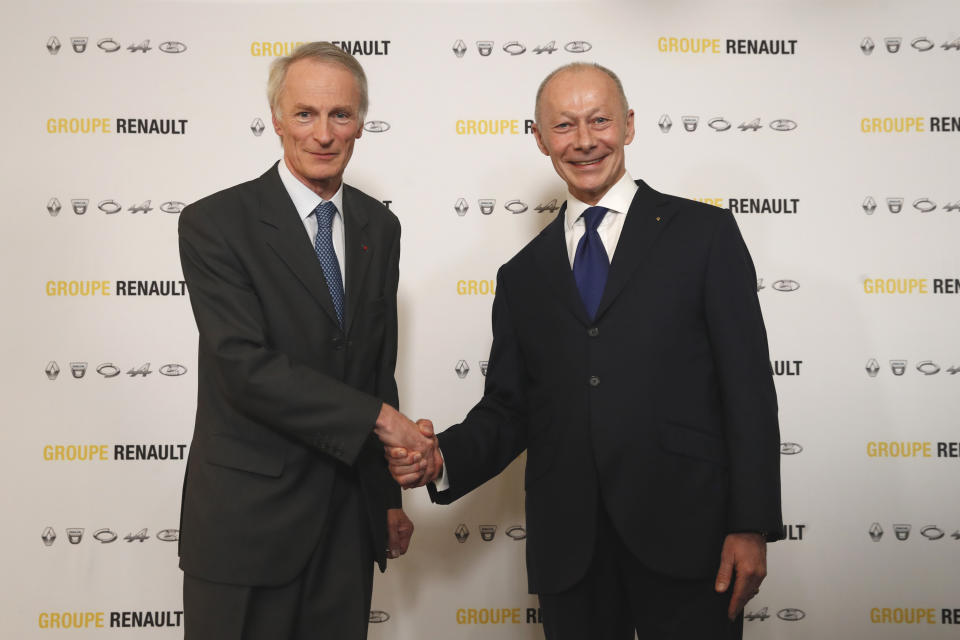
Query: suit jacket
(662, 407)
(284, 395)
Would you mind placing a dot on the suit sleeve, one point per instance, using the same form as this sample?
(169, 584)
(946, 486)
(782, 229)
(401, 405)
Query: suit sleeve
(263, 384)
(739, 343)
(495, 430)
(387, 365)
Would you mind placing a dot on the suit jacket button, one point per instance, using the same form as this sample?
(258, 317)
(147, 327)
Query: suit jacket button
(594, 381)
(338, 343)
(593, 332)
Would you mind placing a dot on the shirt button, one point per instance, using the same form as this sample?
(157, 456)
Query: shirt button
(593, 332)
(594, 381)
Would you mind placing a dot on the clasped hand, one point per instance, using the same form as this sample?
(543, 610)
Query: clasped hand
(410, 448)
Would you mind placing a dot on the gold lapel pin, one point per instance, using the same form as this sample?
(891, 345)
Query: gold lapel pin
(658, 218)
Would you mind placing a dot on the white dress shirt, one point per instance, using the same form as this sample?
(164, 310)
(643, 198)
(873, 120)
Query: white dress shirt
(617, 201)
(305, 201)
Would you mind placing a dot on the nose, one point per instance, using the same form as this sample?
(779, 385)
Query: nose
(322, 131)
(585, 139)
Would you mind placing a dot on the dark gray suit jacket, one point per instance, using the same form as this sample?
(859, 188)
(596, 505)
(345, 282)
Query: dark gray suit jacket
(663, 407)
(284, 394)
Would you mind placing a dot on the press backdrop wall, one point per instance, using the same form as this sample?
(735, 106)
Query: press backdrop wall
(831, 128)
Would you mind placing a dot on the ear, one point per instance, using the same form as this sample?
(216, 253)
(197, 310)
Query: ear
(276, 123)
(539, 139)
(359, 130)
(628, 130)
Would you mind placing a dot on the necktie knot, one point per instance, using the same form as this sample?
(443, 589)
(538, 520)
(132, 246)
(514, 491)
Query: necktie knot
(593, 216)
(324, 214)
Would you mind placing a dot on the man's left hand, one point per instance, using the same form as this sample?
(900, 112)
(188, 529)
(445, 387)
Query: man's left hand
(399, 532)
(744, 554)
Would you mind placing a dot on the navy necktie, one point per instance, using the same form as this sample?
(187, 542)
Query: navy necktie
(590, 262)
(323, 245)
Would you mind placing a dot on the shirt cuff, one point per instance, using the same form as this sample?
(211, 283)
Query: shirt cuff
(443, 482)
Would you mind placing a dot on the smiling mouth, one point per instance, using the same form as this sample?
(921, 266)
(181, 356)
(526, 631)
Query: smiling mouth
(586, 163)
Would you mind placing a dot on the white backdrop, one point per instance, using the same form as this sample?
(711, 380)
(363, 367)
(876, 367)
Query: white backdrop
(92, 542)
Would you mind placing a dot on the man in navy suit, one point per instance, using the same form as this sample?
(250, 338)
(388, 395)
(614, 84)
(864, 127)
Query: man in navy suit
(630, 361)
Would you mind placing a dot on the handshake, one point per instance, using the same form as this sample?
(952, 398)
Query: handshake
(411, 448)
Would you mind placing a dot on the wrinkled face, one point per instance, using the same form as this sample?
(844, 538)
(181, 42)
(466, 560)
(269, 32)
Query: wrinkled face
(318, 122)
(583, 128)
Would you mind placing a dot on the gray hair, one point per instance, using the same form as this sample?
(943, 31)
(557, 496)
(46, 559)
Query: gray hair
(320, 52)
(579, 66)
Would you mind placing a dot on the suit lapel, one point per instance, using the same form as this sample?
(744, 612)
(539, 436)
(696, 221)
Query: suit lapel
(550, 253)
(358, 252)
(289, 240)
(646, 220)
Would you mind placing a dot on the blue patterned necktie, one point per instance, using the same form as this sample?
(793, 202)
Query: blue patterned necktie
(323, 245)
(590, 262)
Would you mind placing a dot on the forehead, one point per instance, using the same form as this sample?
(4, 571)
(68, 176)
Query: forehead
(313, 79)
(580, 88)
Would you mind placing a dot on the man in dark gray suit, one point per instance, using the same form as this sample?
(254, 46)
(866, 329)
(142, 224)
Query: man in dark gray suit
(630, 361)
(287, 501)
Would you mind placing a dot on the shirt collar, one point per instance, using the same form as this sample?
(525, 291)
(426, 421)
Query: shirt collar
(304, 199)
(617, 199)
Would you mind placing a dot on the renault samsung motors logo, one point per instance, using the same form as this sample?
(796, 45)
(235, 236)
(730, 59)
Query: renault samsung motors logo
(719, 124)
(376, 126)
(783, 285)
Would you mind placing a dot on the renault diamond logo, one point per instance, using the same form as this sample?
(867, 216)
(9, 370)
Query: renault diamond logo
(257, 127)
(53, 45)
(487, 531)
(901, 531)
(52, 370)
(898, 367)
(578, 46)
(873, 367)
(690, 122)
(462, 533)
(48, 536)
(79, 205)
(665, 123)
(875, 531)
(869, 205)
(892, 44)
(172, 46)
(922, 44)
(461, 207)
(53, 207)
(108, 45)
(867, 46)
(514, 48)
(462, 369)
(485, 47)
(79, 44)
(486, 205)
(459, 48)
(376, 126)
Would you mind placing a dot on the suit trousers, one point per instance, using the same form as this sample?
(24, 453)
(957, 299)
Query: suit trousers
(329, 600)
(619, 596)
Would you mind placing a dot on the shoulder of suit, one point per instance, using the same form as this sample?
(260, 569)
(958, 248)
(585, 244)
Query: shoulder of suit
(369, 203)
(224, 202)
